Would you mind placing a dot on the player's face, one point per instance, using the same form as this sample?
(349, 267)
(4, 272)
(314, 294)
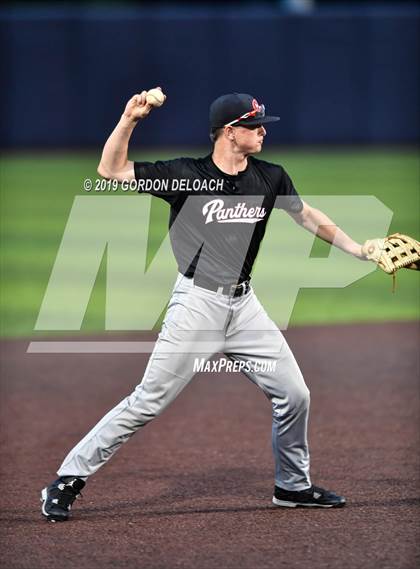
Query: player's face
(249, 139)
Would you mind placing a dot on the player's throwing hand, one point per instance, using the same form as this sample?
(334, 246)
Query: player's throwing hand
(140, 105)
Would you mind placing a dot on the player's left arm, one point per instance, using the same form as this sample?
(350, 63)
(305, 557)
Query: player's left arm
(318, 223)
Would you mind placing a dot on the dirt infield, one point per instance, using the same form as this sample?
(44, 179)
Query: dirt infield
(193, 489)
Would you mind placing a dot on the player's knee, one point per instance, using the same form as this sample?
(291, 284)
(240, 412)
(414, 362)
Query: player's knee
(299, 398)
(143, 409)
(305, 396)
(149, 412)
(295, 402)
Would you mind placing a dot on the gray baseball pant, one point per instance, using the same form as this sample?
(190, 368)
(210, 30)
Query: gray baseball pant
(198, 324)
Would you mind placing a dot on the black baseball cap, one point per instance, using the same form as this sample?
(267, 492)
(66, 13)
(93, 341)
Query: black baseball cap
(229, 109)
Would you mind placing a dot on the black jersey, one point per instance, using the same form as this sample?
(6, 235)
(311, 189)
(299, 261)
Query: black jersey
(217, 220)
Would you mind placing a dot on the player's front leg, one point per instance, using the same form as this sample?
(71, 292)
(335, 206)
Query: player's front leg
(276, 372)
(268, 362)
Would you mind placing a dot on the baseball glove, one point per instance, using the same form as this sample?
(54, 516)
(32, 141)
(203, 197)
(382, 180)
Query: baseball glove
(397, 251)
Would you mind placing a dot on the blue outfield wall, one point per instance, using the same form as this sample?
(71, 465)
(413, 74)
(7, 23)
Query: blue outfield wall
(332, 77)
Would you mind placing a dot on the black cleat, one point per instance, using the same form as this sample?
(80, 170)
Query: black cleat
(314, 497)
(58, 498)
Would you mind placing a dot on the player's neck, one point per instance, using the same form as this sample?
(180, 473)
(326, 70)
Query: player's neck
(229, 162)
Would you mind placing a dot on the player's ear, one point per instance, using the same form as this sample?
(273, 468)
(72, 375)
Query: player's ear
(229, 132)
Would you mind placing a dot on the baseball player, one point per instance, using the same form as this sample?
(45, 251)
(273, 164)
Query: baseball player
(215, 231)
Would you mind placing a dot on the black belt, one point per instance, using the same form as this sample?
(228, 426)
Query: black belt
(230, 290)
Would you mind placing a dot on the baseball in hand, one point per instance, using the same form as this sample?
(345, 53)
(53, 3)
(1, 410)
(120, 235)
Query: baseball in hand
(155, 97)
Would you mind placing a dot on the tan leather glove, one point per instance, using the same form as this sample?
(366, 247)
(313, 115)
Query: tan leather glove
(397, 251)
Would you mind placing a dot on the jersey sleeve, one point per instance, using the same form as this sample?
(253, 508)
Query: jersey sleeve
(287, 197)
(156, 178)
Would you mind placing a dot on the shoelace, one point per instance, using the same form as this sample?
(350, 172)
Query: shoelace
(318, 490)
(67, 495)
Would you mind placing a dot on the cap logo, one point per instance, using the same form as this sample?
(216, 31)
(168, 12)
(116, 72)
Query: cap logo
(257, 110)
(256, 106)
